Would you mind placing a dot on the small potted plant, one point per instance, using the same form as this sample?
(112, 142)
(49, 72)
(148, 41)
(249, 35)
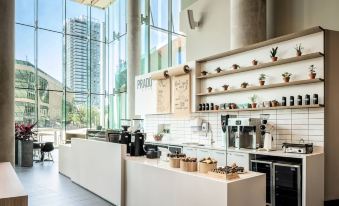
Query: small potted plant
(275, 103)
(233, 106)
(254, 100)
(203, 73)
(209, 89)
(254, 62)
(218, 70)
(274, 52)
(312, 74)
(262, 78)
(244, 85)
(158, 137)
(225, 86)
(299, 49)
(286, 76)
(235, 66)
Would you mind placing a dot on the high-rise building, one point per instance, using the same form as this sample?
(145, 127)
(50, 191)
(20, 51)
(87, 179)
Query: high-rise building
(82, 58)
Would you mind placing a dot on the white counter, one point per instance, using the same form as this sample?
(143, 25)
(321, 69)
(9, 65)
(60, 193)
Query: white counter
(97, 166)
(154, 183)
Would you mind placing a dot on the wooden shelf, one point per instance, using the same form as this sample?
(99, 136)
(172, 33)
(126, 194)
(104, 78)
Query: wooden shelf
(251, 88)
(264, 65)
(264, 108)
(264, 43)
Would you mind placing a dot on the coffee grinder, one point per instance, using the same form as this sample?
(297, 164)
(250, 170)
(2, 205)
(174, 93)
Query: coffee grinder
(266, 133)
(138, 138)
(126, 134)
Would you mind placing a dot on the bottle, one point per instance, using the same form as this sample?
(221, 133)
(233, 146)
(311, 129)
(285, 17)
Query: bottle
(300, 100)
(291, 100)
(283, 102)
(200, 107)
(203, 107)
(207, 106)
(307, 99)
(315, 99)
(212, 106)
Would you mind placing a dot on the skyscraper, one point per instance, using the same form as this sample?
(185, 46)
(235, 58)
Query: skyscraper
(82, 58)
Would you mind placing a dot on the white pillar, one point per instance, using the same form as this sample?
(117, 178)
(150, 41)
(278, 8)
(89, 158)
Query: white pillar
(248, 22)
(133, 53)
(7, 81)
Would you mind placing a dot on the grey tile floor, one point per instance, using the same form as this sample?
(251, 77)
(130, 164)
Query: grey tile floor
(46, 187)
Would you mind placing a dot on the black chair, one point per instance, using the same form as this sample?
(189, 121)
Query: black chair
(47, 149)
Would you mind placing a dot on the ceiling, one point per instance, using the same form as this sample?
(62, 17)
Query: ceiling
(96, 3)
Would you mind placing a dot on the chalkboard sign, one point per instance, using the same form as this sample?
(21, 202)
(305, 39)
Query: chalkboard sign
(182, 95)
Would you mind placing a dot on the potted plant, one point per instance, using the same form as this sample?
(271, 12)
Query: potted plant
(218, 70)
(286, 76)
(262, 78)
(275, 103)
(24, 139)
(158, 137)
(299, 49)
(274, 52)
(244, 85)
(225, 86)
(209, 89)
(254, 100)
(312, 72)
(203, 73)
(235, 66)
(254, 62)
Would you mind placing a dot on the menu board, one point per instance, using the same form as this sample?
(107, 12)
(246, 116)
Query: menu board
(182, 95)
(163, 95)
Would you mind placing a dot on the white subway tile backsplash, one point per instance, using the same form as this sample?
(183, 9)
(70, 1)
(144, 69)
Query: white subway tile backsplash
(290, 125)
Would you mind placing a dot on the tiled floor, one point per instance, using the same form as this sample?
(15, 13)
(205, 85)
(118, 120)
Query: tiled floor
(45, 186)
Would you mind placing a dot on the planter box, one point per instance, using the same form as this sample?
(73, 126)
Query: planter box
(25, 153)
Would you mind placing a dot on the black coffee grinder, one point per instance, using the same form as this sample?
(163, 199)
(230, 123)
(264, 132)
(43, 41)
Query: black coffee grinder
(125, 134)
(138, 138)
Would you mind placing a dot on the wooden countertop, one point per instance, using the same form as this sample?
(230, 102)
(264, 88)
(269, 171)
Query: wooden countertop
(11, 190)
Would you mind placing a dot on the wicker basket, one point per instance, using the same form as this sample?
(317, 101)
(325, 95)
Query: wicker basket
(174, 162)
(204, 167)
(188, 166)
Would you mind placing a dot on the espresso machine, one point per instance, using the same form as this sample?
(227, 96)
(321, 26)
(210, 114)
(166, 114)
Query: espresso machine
(242, 133)
(137, 138)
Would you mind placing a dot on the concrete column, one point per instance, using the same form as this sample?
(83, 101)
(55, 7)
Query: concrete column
(133, 52)
(7, 81)
(248, 22)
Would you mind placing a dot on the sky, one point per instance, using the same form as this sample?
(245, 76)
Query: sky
(50, 16)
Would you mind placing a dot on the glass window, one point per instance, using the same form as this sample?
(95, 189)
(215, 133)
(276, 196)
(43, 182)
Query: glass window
(25, 106)
(24, 12)
(159, 13)
(24, 43)
(178, 49)
(50, 68)
(158, 49)
(76, 111)
(176, 8)
(50, 14)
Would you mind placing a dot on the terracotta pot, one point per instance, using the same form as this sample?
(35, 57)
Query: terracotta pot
(274, 59)
(209, 89)
(299, 53)
(203, 73)
(233, 106)
(261, 82)
(286, 79)
(312, 75)
(274, 103)
(254, 62)
(225, 87)
(216, 107)
(235, 66)
(254, 105)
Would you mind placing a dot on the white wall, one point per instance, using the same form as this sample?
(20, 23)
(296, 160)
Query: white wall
(283, 17)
